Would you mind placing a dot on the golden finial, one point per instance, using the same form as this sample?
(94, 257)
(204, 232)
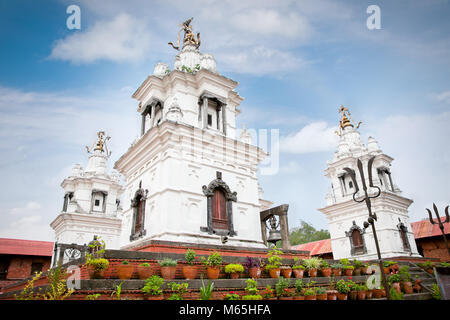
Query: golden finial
(189, 37)
(345, 121)
(100, 144)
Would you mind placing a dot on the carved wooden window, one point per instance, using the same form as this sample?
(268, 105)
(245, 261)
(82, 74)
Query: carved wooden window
(219, 212)
(357, 241)
(138, 206)
(140, 211)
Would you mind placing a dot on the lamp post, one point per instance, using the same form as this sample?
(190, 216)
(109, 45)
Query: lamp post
(440, 223)
(372, 216)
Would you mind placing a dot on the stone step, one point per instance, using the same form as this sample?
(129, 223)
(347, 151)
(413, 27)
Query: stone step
(414, 296)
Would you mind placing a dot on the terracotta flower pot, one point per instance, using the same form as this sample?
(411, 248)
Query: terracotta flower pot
(190, 272)
(213, 272)
(337, 272)
(326, 272)
(364, 270)
(299, 297)
(234, 275)
(407, 287)
(274, 273)
(387, 270)
(285, 298)
(383, 292)
(348, 272)
(361, 295)
(144, 272)
(298, 273)
(430, 271)
(396, 286)
(353, 295)
(342, 296)
(312, 272)
(310, 297)
(377, 293)
(168, 273)
(417, 287)
(332, 295)
(125, 271)
(286, 272)
(254, 273)
(321, 296)
(357, 271)
(95, 274)
(369, 294)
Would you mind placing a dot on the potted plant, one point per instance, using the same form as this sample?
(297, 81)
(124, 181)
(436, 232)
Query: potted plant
(336, 268)
(144, 270)
(234, 269)
(286, 271)
(190, 269)
(168, 268)
(389, 266)
(332, 292)
(353, 294)
(206, 291)
(325, 269)
(364, 268)
(394, 282)
(125, 270)
(299, 290)
(405, 280)
(321, 293)
(178, 289)
(231, 296)
(268, 293)
(96, 267)
(213, 263)
(281, 289)
(274, 262)
(361, 292)
(252, 291)
(357, 267)
(312, 265)
(310, 294)
(152, 288)
(298, 268)
(343, 289)
(368, 292)
(348, 270)
(427, 266)
(417, 286)
(253, 266)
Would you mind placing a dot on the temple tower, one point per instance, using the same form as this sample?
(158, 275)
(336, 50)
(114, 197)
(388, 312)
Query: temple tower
(345, 217)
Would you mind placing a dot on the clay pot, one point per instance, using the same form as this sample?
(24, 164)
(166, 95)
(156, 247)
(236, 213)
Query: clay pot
(396, 286)
(348, 272)
(361, 295)
(369, 294)
(310, 297)
(321, 296)
(353, 295)
(387, 270)
(364, 270)
(274, 273)
(298, 273)
(285, 298)
(168, 273)
(377, 293)
(234, 275)
(190, 272)
(430, 270)
(357, 271)
(144, 272)
(342, 296)
(312, 272)
(125, 271)
(286, 272)
(96, 274)
(254, 273)
(337, 272)
(332, 295)
(407, 287)
(326, 272)
(417, 287)
(299, 298)
(383, 292)
(213, 272)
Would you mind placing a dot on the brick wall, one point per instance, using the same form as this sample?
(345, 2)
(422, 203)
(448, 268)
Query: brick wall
(434, 248)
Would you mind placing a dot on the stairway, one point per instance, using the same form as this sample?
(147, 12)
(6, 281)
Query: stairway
(427, 281)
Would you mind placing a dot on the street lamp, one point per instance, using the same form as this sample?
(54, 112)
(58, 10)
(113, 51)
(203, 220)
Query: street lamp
(372, 216)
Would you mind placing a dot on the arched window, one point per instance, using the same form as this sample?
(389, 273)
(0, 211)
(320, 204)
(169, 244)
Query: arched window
(219, 207)
(357, 244)
(138, 205)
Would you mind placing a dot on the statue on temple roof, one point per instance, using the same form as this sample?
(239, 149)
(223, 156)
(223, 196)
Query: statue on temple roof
(189, 37)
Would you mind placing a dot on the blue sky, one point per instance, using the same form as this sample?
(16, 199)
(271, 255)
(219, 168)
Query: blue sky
(295, 61)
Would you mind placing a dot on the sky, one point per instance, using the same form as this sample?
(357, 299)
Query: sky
(296, 62)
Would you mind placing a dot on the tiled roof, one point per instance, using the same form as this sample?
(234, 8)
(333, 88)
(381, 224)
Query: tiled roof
(424, 229)
(26, 247)
(316, 247)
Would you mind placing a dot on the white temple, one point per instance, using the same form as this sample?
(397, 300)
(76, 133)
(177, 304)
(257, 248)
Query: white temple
(349, 238)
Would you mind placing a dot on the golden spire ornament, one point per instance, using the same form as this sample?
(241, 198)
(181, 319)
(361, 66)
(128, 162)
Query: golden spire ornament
(100, 144)
(345, 121)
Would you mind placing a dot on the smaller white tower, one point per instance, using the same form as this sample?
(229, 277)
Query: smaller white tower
(91, 201)
(346, 217)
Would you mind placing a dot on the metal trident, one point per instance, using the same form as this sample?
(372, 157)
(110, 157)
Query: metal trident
(440, 223)
(372, 216)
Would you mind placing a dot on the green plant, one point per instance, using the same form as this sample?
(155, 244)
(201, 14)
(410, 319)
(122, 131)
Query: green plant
(404, 274)
(342, 286)
(444, 265)
(118, 291)
(336, 266)
(395, 295)
(388, 263)
(436, 292)
(299, 286)
(206, 291)
(234, 267)
(93, 296)
(252, 286)
(268, 293)
(324, 264)
(357, 263)
(125, 262)
(348, 267)
(97, 248)
(352, 285)
(252, 297)
(426, 265)
(153, 286)
(345, 261)
(394, 278)
(167, 262)
(309, 292)
(320, 290)
(97, 263)
(190, 256)
(298, 266)
(213, 260)
(27, 292)
(179, 290)
(281, 288)
(232, 296)
(273, 258)
(312, 263)
(145, 264)
(57, 288)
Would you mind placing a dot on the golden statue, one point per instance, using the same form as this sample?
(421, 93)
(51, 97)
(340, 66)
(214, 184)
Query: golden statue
(345, 122)
(189, 37)
(100, 144)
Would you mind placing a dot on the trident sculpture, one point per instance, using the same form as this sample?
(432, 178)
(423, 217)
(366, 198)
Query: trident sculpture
(372, 216)
(439, 222)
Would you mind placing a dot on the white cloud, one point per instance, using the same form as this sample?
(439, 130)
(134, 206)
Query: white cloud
(123, 38)
(314, 137)
(27, 209)
(29, 228)
(442, 97)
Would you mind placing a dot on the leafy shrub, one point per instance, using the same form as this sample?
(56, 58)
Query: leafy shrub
(97, 263)
(336, 266)
(436, 292)
(252, 297)
(213, 260)
(234, 267)
(167, 262)
(320, 290)
(190, 256)
(299, 286)
(274, 258)
(343, 286)
(282, 286)
(395, 295)
(232, 296)
(145, 264)
(252, 287)
(153, 285)
(179, 290)
(310, 292)
(125, 262)
(312, 263)
(268, 292)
